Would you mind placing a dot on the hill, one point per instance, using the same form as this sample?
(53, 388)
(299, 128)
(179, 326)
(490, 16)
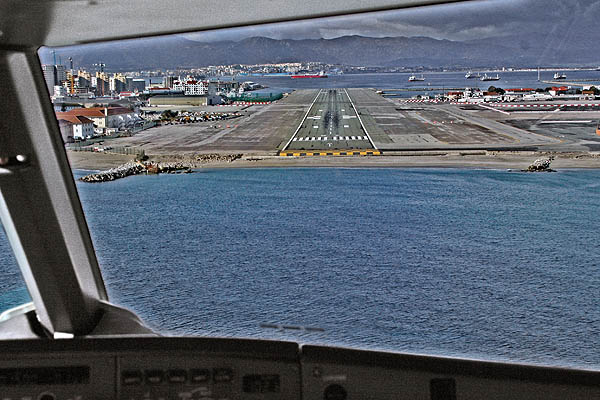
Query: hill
(177, 51)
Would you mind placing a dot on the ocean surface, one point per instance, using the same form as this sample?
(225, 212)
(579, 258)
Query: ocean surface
(486, 264)
(442, 81)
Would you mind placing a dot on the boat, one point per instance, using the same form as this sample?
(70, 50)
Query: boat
(560, 75)
(414, 78)
(487, 77)
(471, 75)
(319, 75)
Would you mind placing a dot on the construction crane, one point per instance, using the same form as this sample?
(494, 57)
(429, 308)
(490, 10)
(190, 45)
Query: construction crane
(71, 77)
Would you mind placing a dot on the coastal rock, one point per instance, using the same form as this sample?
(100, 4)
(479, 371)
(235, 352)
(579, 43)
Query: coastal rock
(541, 165)
(135, 169)
(164, 165)
(208, 158)
(115, 173)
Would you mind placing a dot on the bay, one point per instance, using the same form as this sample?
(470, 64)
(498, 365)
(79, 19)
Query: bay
(484, 264)
(442, 81)
(478, 263)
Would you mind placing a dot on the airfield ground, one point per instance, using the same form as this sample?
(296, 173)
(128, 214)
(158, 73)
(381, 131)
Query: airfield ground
(351, 121)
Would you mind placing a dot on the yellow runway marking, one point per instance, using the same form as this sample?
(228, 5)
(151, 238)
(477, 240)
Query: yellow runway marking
(331, 153)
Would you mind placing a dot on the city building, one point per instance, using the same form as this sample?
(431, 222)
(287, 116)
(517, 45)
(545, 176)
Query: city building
(101, 85)
(61, 74)
(74, 127)
(191, 87)
(59, 91)
(49, 76)
(168, 81)
(117, 83)
(105, 117)
(137, 84)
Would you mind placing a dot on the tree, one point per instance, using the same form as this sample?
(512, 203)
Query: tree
(495, 89)
(168, 114)
(141, 156)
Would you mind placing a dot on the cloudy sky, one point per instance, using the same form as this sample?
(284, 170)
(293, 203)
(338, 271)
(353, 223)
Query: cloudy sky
(458, 21)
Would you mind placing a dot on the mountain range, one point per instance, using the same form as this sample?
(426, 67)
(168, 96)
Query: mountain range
(178, 51)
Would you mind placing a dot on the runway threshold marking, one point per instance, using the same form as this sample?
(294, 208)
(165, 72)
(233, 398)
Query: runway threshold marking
(330, 153)
(303, 119)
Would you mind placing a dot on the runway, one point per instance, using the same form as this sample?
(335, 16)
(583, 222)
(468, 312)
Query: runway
(331, 123)
(359, 121)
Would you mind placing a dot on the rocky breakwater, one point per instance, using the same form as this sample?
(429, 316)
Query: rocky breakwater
(196, 160)
(168, 167)
(136, 168)
(540, 165)
(121, 171)
(213, 158)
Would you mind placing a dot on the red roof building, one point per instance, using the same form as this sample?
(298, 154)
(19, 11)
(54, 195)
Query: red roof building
(74, 127)
(102, 117)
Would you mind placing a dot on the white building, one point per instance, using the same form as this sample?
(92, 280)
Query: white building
(74, 127)
(59, 91)
(191, 87)
(105, 117)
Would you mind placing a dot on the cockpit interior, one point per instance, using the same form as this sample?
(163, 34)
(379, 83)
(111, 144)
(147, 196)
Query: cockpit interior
(71, 343)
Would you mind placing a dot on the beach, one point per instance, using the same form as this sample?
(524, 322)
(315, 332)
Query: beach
(443, 159)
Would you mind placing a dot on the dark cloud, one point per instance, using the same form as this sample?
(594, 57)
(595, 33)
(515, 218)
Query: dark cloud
(456, 21)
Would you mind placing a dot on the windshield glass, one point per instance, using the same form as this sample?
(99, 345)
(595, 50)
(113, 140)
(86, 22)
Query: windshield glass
(12, 288)
(364, 181)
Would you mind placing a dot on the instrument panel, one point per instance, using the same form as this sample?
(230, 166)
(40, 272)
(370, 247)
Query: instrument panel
(149, 368)
(165, 368)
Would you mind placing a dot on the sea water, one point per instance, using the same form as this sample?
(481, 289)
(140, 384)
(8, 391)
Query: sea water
(487, 264)
(437, 82)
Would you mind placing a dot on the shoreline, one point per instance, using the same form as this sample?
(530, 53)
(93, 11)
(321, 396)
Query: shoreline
(476, 160)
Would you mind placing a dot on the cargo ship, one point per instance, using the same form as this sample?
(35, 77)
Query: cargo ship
(487, 77)
(414, 78)
(560, 75)
(319, 75)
